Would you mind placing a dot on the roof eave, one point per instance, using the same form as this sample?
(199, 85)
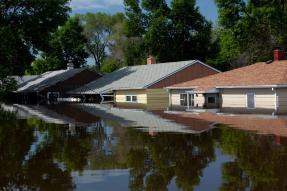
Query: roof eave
(180, 88)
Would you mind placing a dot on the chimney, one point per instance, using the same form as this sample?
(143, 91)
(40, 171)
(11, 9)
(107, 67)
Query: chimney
(70, 65)
(278, 54)
(151, 60)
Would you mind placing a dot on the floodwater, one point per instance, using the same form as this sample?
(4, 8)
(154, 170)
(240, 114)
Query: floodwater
(96, 147)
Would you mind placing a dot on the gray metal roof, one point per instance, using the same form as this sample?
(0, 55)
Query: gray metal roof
(134, 77)
(48, 79)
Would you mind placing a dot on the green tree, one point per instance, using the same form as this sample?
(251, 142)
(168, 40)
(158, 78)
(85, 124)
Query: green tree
(43, 64)
(171, 33)
(249, 31)
(100, 30)
(67, 44)
(110, 65)
(25, 27)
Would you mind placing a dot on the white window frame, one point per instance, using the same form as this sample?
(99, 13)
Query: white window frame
(131, 98)
(186, 94)
(251, 93)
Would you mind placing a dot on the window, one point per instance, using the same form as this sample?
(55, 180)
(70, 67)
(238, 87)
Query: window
(211, 100)
(183, 99)
(134, 99)
(128, 98)
(131, 98)
(250, 100)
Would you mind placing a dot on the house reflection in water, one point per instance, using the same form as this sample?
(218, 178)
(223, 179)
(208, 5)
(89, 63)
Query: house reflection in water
(153, 121)
(84, 146)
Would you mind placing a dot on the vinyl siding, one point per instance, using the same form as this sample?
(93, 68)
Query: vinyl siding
(141, 96)
(236, 98)
(157, 99)
(282, 100)
(150, 99)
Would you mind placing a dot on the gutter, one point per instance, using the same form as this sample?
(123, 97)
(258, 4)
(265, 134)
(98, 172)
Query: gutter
(252, 86)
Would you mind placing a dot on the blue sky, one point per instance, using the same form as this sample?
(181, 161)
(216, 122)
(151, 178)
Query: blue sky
(207, 7)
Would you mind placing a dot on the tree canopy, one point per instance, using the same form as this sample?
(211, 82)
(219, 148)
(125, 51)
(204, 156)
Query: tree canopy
(249, 31)
(66, 45)
(170, 32)
(25, 27)
(37, 36)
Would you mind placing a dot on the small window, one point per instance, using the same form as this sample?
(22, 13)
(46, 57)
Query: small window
(250, 100)
(130, 98)
(211, 100)
(183, 99)
(134, 99)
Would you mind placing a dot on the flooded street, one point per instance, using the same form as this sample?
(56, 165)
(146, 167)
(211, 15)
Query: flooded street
(98, 147)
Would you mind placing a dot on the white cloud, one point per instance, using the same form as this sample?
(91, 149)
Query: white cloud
(94, 4)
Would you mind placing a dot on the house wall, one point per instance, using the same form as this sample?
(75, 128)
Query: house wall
(192, 72)
(157, 99)
(141, 96)
(150, 99)
(236, 100)
(120, 99)
(282, 100)
(199, 100)
(76, 81)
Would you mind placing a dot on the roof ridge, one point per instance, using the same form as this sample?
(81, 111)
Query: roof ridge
(141, 65)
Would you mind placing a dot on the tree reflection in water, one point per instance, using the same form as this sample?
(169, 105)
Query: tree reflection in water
(166, 156)
(260, 163)
(37, 155)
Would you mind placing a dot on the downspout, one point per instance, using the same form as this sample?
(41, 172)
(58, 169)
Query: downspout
(169, 99)
(277, 102)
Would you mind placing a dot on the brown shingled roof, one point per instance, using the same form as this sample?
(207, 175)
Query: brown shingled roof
(258, 74)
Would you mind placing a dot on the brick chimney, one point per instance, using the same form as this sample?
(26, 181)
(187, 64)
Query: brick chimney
(151, 60)
(278, 54)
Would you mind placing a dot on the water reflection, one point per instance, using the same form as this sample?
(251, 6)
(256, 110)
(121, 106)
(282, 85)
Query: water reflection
(53, 148)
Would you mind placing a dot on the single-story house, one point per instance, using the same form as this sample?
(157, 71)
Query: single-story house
(52, 85)
(257, 88)
(143, 86)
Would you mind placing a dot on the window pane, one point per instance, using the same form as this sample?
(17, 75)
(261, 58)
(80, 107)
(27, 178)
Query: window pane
(134, 98)
(211, 100)
(183, 99)
(250, 100)
(128, 98)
